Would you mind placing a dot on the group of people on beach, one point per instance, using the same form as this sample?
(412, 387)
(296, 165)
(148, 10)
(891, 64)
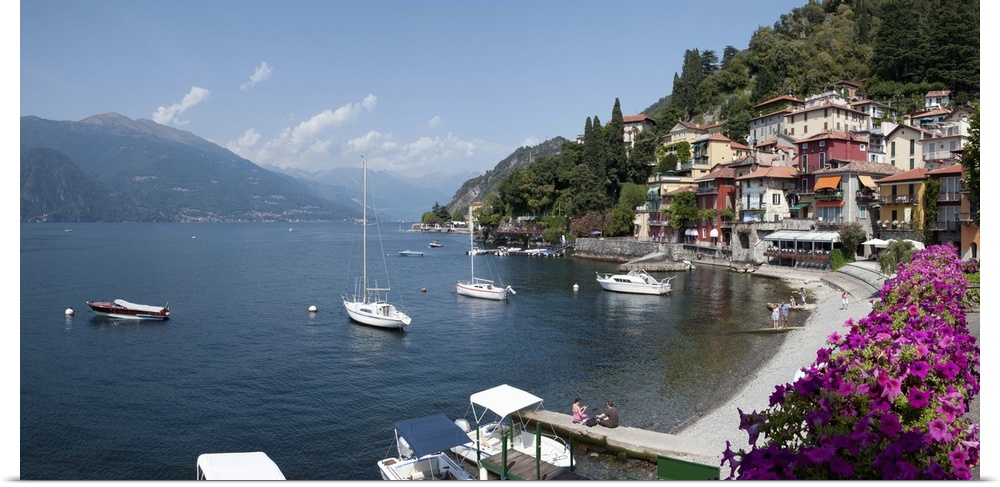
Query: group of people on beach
(608, 419)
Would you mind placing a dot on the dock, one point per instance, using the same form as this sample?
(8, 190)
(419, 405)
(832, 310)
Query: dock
(525, 467)
(628, 441)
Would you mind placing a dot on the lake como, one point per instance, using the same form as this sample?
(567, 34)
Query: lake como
(241, 365)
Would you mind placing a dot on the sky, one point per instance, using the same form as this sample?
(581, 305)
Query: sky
(419, 88)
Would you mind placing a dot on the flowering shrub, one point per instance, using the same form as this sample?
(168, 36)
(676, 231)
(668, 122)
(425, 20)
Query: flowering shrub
(884, 400)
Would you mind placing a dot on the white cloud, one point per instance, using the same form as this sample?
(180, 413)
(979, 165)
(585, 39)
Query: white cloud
(529, 142)
(363, 143)
(262, 73)
(168, 115)
(434, 122)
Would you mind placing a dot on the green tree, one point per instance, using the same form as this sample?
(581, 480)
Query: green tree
(623, 214)
(900, 40)
(897, 252)
(851, 236)
(970, 161)
(932, 188)
(617, 154)
(683, 208)
(643, 156)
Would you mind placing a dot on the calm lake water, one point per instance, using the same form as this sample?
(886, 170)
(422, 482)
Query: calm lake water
(243, 366)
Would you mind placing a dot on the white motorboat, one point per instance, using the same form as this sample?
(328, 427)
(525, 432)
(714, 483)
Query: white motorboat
(255, 465)
(637, 281)
(476, 287)
(424, 446)
(366, 306)
(494, 410)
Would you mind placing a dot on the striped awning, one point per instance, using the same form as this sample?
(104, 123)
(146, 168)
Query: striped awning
(827, 182)
(867, 181)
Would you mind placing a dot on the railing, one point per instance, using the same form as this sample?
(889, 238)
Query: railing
(800, 255)
(949, 197)
(830, 196)
(938, 156)
(834, 224)
(899, 199)
(708, 189)
(866, 196)
(946, 226)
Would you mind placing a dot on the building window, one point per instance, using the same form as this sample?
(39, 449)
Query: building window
(912, 163)
(913, 145)
(805, 161)
(892, 149)
(862, 147)
(822, 143)
(822, 160)
(863, 212)
(775, 199)
(805, 185)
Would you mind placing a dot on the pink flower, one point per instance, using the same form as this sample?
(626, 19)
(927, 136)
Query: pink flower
(939, 430)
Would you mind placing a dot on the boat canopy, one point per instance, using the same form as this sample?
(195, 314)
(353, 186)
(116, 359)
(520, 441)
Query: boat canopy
(503, 400)
(138, 307)
(431, 434)
(238, 466)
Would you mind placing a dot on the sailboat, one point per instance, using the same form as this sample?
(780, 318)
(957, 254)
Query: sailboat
(476, 287)
(367, 307)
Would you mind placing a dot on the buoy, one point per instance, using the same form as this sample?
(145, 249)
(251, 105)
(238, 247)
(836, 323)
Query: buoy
(312, 309)
(69, 311)
(576, 287)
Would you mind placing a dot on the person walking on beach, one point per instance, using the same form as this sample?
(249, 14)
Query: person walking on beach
(843, 300)
(774, 317)
(791, 299)
(784, 315)
(802, 292)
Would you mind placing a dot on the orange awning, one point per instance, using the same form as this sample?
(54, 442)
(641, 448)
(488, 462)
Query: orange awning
(867, 181)
(827, 182)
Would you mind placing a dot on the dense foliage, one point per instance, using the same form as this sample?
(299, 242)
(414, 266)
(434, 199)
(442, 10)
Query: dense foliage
(970, 161)
(885, 400)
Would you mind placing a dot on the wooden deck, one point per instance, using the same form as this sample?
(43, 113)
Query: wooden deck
(525, 467)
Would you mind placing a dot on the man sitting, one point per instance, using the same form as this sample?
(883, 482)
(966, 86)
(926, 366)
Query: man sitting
(609, 418)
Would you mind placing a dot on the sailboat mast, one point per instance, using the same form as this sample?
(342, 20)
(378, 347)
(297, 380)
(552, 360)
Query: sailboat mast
(364, 223)
(472, 246)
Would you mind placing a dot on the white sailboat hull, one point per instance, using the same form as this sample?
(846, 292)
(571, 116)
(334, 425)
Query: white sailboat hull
(380, 314)
(482, 290)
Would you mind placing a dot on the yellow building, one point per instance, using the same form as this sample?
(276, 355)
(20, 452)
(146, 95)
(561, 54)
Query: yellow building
(900, 210)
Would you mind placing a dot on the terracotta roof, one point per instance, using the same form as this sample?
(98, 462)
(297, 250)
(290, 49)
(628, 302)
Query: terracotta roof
(719, 173)
(931, 113)
(774, 172)
(917, 174)
(937, 93)
(718, 138)
(862, 167)
(683, 189)
(737, 145)
(637, 118)
(778, 98)
(947, 170)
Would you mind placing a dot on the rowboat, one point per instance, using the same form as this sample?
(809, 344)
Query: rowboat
(124, 309)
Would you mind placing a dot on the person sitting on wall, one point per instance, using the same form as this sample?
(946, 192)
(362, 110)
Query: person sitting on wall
(579, 414)
(609, 418)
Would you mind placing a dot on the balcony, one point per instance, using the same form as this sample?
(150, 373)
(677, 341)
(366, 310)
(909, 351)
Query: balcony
(829, 195)
(949, 197)
(828, 225)
(899, 199)
(866, 196)
(946, 226)
(708, 189)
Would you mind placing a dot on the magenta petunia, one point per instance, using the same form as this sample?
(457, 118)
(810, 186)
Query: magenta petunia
(918, 398)
(958, 458)
(891, 389)
(920, 369)
(890, 424)
(834, 338)
(938, 430)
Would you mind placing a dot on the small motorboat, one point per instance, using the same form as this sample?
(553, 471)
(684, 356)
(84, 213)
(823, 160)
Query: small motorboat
(637, 281)
(411, 253)
(435, 244)
(132, 311)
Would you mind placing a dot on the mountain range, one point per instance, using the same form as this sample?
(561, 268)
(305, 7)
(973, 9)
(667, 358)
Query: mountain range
(111, 168)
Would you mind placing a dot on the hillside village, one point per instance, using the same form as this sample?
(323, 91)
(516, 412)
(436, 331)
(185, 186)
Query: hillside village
(810, 167)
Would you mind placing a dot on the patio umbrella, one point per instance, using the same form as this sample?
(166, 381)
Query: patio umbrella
(916, 245)
(876, 242)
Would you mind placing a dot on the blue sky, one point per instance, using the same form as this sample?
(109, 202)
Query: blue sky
(417, 87)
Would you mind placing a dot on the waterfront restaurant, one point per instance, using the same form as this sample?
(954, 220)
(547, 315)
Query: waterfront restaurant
(801, 248)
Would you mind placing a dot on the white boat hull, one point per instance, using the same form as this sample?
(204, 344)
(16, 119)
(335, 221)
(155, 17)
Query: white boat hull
(482, 291)
(437, 466)
(553, 451)
(635, 282)
(379, 314)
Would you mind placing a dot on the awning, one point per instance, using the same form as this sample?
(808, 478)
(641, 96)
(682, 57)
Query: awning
(783, 235)
(714, 233)
(431, 434)
(503, 400)
(238, 466)
(691, 232)
(827, 182)
(867, 181)
(799, 206)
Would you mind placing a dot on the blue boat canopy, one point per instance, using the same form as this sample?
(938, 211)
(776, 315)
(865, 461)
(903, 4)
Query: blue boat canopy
(431, 434)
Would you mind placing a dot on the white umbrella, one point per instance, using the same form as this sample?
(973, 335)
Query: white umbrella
(916, 245)
(876, 242)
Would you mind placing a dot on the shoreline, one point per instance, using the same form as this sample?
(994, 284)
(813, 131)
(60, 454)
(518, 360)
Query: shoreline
(797, 351)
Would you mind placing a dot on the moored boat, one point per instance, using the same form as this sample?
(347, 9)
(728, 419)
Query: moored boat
(435, 244)
(131, 311)
(254, 465)
(637, 281)
(411, 253)
(423, 445)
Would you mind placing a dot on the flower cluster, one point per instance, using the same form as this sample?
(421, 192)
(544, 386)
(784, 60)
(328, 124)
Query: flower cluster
(885, 399)
(970, 266)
